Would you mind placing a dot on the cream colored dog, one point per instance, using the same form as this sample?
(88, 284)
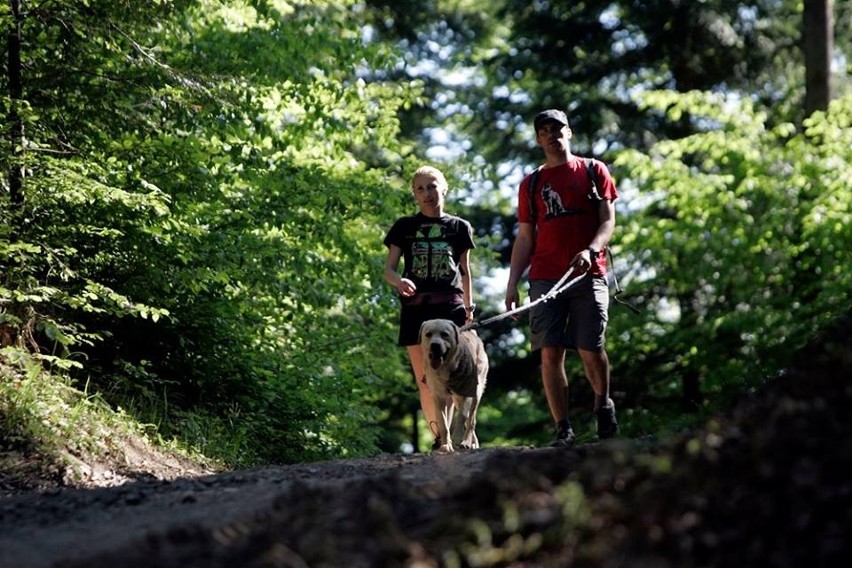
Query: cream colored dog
(456, 370)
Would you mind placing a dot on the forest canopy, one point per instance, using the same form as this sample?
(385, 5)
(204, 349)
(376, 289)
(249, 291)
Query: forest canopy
(194, 196)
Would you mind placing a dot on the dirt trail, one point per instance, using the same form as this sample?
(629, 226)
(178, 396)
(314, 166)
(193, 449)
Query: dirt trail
(764, 484)
(184, 522)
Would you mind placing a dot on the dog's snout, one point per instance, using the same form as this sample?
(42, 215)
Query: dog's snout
(435, 347)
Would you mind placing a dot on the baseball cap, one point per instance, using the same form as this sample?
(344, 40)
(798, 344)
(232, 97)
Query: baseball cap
(550, 114)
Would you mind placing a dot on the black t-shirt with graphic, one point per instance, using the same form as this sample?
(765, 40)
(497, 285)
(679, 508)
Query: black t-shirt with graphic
(431, 249)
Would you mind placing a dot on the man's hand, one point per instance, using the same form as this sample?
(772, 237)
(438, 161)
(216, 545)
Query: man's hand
(582, 261)
(513, 299)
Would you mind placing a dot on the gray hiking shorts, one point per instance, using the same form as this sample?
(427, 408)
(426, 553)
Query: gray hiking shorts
(575, 318)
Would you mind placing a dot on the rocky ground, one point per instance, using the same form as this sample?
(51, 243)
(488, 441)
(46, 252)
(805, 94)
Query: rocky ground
(766, 484)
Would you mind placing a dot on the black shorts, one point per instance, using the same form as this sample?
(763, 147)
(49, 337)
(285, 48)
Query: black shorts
(412, 317)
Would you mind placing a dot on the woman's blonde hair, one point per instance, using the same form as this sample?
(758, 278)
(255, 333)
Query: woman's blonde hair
(432, 172)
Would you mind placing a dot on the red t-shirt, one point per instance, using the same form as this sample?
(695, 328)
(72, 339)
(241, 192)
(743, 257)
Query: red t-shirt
(566, 219)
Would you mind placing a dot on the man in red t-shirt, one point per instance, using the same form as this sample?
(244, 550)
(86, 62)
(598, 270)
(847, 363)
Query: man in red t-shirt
(570, 230)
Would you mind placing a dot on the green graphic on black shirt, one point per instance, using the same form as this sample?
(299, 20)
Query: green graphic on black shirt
(433, 256)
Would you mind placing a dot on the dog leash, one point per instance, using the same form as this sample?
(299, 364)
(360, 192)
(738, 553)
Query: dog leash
(561, 285)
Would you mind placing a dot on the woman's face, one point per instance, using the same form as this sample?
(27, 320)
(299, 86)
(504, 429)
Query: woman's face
(428, 193)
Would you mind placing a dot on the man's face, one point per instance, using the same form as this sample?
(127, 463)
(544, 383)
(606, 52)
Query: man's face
(553, 135)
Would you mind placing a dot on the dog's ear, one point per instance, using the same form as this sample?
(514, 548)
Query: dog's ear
(420, 333)
(456, 332)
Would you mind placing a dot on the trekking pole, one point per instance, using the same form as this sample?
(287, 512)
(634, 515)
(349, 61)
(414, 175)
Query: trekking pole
(618, 289)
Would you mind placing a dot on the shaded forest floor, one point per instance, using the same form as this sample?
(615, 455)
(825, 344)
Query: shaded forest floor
(766, 484)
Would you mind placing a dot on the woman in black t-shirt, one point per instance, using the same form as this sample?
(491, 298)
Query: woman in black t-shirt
(435, 282)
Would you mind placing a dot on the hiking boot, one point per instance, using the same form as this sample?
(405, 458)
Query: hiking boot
(564, 438)
(607, 424)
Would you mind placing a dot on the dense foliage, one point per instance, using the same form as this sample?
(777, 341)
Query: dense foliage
(194, 196)
(509, 58)
(735, 244)
(203, 205)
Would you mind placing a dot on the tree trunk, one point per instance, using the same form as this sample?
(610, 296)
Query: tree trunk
(818, 43)
(16, 124)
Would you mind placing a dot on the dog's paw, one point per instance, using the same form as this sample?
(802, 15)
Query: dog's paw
(445, 449)
(470, 441)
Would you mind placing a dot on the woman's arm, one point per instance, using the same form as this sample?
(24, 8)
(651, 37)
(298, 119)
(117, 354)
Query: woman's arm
(467, 287)
(404, 286)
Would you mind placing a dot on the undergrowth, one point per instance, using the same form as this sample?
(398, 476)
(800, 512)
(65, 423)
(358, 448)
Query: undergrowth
(44, 418)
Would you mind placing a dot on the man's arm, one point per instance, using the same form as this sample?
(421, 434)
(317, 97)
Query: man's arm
(521, 253)
(606, 214)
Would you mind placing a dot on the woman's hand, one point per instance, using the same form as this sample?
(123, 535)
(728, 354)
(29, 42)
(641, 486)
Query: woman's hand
(406, 287)
(469, 310)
